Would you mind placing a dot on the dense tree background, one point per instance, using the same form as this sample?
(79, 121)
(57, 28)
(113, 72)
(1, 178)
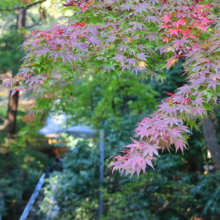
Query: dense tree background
(181, 187)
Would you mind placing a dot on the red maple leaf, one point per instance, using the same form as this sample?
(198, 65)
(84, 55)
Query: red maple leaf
(185, 32)
(81, 24)
(169, 93)
(166, 39)
(174, 31)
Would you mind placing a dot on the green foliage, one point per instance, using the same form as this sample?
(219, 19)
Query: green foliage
(207, 193)
(93, 100)
(21, 165)
(10, 5)
(170, 192)
(21, 159)
(174, 79)
(76, 188)
(9, 51)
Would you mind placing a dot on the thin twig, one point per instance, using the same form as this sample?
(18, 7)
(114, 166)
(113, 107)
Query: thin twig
(36, 23)
(142, 213)
(5, 125)
(3, 118)
(166, 206)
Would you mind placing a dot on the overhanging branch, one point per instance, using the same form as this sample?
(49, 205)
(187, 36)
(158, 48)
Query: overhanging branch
(35, 3)
(28, 6)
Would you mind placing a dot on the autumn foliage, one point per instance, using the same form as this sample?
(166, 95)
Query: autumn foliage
(108, 37)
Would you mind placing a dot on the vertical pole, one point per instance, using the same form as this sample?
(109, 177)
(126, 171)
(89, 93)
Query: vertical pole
(101, 170)
(1, 204)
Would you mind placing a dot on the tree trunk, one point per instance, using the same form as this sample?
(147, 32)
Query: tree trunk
(210, 138)
(21, 18)
(13, 101)
(12, 114)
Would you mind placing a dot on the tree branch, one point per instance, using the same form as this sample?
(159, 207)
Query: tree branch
(3, 118)
(28, 6)
(166, 206)
(35, 3)
(32, 19)
(5, 9)
(4, 125)
(36, 23)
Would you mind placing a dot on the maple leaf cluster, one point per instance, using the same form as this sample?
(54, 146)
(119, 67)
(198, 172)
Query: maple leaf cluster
(83, 5)
(182, 25)
(108, 37)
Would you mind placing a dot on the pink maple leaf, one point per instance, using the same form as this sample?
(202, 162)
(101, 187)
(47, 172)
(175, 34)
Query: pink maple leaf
(182, 108)
(165, 26)
(150, 150)
(179, 144)
(180, 42)
(174, 31)
(165, 107)
(166, 18)
(172, 121)
(198, 101)
(181, 21)
(206, 21)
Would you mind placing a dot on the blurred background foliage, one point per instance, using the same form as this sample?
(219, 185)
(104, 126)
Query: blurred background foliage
(181, 186)
(178, 188)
